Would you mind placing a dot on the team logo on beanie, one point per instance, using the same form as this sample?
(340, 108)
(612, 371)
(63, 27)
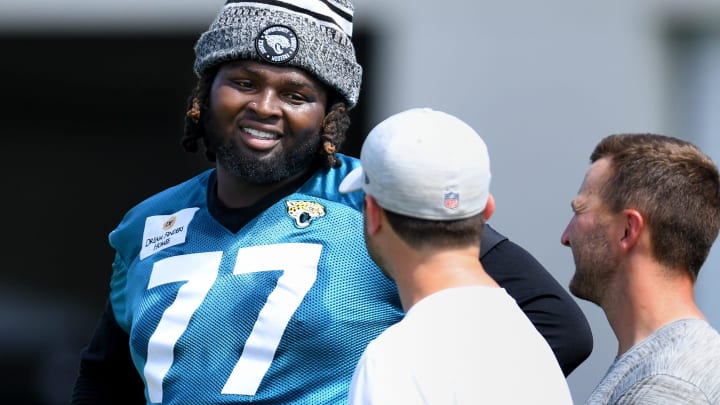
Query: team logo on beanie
(277, 44)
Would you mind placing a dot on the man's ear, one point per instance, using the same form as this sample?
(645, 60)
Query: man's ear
(489, 207)
(634, 224)
(373, 215)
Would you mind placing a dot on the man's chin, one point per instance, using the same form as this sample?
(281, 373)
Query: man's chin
(266, 168)
(265, 172)
(576, 288)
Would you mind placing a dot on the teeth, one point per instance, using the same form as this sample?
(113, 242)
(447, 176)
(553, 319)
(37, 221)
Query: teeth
(260, 134)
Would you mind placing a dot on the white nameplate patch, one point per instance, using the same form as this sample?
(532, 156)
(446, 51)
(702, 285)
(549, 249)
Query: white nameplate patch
(163, 231)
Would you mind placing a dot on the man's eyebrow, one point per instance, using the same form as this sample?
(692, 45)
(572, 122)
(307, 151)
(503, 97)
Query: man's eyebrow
(300, 84)
(578, 204)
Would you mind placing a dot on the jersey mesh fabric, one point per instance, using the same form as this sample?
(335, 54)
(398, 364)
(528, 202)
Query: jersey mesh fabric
(349, 303)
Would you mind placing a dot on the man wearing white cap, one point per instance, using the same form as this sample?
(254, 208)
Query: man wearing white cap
(463, 340)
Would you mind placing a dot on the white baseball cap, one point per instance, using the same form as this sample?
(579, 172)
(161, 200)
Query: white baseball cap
(425, 164)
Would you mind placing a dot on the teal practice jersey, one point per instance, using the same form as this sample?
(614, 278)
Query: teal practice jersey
(277, 313)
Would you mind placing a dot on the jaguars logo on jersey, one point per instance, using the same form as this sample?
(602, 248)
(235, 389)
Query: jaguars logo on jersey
(303, 212)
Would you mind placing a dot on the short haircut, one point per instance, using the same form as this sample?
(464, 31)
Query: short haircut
(422, 233)
(675, 187)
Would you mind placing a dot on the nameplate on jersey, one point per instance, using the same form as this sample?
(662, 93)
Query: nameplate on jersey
(163, 231)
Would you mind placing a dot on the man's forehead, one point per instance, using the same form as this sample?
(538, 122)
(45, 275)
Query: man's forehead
(596, 174)
(595, 178)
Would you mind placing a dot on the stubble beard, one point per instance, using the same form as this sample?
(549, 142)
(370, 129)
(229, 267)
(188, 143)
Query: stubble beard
(594, 267)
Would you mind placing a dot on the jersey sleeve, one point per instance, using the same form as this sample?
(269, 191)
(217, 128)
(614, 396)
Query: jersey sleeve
(546, 303)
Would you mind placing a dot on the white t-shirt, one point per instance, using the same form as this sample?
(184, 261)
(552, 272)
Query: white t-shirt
(468, 345)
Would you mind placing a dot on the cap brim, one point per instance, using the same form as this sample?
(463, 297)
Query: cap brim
(353, 181)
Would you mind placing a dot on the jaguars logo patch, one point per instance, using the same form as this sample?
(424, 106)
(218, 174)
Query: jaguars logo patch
(304, 212)
(277, 44)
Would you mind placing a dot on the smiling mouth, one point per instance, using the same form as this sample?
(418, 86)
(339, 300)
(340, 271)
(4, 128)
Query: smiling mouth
(260, 134)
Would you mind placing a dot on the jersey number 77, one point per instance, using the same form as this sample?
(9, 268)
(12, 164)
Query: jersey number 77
(299, 262)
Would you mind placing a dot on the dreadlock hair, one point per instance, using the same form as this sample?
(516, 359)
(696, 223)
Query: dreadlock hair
(332, 134)
(197, 104)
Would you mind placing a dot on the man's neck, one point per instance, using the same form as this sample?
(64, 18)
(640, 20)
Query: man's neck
(234, 192)
(234, 218)
(647, 301)
(419, 276)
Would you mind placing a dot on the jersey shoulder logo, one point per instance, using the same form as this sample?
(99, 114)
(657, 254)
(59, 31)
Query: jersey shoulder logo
(304, 212)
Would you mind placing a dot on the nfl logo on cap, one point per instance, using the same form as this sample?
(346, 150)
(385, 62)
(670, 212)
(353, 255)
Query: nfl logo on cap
(451, 199)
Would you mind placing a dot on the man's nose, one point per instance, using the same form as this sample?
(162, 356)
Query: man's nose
(266, 103)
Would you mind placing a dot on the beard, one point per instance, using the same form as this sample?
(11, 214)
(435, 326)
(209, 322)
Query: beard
(594, 266)
(254, 168)
(279, 165)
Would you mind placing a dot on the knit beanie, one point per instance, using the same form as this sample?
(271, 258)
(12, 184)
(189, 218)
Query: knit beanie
(314, 35)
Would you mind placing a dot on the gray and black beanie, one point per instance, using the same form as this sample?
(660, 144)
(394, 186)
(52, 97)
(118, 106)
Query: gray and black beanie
(314, 35)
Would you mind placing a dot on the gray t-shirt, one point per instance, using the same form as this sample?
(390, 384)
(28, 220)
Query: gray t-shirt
(678, 364)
